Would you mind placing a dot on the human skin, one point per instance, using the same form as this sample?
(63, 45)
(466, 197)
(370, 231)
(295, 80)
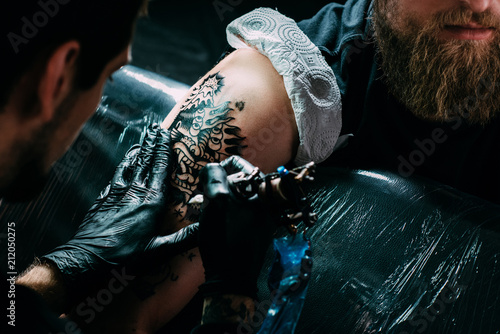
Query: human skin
(128, 312)
(249, 99)
(422, 10)
(27, 127)
(54, 88)
(247, 95)
(151, 314)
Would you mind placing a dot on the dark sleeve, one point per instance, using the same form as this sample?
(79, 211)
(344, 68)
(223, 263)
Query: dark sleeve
(216, 329)
(336, 24)
(30, 314)
(324, 28)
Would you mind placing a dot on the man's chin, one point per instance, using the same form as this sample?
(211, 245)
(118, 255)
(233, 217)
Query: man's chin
(440, 80)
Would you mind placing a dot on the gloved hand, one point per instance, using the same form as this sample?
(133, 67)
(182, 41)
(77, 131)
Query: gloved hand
(121, 226)
(234, 232)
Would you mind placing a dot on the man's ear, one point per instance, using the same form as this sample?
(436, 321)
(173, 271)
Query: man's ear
(56, 81)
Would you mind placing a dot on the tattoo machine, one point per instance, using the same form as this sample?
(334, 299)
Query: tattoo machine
(283, 189)
(291, 270)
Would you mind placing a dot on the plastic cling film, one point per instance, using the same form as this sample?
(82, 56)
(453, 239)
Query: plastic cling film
(396, 255)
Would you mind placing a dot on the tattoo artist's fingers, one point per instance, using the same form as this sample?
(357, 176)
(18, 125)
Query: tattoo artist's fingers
(176, 243)
(161, 162)
(235, 164)
(120, 178)
(145, 157)
(104, 193)
(213, 181)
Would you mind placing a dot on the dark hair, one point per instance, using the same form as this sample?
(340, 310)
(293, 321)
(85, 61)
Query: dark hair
(33, 28)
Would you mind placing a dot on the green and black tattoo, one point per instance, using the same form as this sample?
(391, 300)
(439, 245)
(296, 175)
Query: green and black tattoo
(199, 133)
(203, 132)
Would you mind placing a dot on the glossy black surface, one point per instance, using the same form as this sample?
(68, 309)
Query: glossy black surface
(396, 255)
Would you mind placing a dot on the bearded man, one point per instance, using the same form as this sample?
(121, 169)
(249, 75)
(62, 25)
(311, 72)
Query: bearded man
(402, 85)
(60, 54)
(419, 84)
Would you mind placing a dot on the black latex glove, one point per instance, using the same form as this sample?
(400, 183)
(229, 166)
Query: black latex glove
(121, 226)
(234, 232)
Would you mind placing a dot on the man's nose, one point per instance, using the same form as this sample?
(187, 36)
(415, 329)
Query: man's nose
(478, 6)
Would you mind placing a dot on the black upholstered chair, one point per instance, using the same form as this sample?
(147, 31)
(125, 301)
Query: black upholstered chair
(391, 255)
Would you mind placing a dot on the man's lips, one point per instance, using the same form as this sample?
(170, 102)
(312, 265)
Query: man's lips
(472, 31)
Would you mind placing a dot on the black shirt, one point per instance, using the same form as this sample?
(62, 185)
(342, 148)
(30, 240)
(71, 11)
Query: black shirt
(27, 312)
(385, 134)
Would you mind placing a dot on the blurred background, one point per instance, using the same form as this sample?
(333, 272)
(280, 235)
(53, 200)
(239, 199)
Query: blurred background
(183, 39)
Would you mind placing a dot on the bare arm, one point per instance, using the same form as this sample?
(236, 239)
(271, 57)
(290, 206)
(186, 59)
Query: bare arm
(47, 281)
(239, 107)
